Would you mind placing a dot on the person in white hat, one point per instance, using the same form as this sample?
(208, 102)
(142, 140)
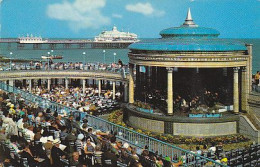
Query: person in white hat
(56, 153)
(80, 136)
(48, 145)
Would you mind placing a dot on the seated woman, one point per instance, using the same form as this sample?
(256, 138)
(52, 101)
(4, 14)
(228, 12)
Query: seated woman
(13, 143)
(89, 149)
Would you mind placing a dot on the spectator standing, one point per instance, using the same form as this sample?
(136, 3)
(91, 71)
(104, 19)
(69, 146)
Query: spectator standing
(257, 77)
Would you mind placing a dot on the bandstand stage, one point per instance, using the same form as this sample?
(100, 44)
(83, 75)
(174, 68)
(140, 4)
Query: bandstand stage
(183, 64)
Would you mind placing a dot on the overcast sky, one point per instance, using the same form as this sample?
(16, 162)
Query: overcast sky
(146, 18)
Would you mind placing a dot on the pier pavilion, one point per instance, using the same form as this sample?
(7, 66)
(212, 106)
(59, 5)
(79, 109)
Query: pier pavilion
(185, 61)
(65, 77)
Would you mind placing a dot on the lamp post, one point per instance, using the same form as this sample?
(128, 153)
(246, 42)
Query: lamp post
(11, 60)
(114, 57)
(84, 53)
(104, 53)
(48, 60)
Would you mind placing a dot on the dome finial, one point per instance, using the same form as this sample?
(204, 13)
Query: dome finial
(189, 21)
(189, 16)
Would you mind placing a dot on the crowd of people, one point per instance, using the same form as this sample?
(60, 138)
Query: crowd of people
(206, 100)
(255, 82)
(33, 136)
(113, 67)
(90, 101)
(184, 104)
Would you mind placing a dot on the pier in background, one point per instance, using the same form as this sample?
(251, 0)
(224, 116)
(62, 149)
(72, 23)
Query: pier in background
(67, 43)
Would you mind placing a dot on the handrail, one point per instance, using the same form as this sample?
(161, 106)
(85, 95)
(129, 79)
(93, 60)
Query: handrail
(67, 70)
(125, 134)
(117, 75)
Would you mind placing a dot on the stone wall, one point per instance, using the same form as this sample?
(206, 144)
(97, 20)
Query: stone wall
(254, 107)
(184, 126)
(248, 129)
(206, 129)
(146, 124)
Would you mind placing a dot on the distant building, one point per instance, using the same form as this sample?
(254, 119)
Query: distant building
(116, 35)
(31, 39)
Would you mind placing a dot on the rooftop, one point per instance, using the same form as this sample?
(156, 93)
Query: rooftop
(189, 37)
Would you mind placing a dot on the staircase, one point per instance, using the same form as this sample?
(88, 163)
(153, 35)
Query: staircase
(249, 123)
(254, 107)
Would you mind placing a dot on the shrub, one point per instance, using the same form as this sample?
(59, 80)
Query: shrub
(236, 139)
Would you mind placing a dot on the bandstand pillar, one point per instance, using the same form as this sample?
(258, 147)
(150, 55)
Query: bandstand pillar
(125, 92)
(66, 83)
(114, 90)
(30, 85)
(131, 83)
(249, 65)
(170, 91)
(49, 84)
(245, 89)
(84, 86)
(235, 91)
(99, 87)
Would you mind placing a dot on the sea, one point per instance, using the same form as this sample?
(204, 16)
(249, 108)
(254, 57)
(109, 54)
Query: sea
(75, 54)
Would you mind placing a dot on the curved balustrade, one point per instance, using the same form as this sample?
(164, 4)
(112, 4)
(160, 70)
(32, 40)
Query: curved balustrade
(124, 134)
(40, 74)
(65, 66)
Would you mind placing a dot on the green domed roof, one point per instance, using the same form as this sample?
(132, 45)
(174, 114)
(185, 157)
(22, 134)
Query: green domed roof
(190, 32)
(189, 37)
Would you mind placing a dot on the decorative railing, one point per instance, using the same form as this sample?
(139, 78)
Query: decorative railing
(86, 67)
(5, 75)
(124, 134)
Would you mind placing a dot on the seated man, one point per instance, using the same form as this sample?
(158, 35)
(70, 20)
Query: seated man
(27, 154)
(108, 158)
(75, 160)
(56, 153)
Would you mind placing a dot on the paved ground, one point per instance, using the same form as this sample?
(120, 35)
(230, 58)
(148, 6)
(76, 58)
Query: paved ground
(105, 116)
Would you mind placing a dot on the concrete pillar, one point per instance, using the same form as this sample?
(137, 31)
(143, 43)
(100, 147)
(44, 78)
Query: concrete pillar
(235, 91)
(84, 86)
(49, 84)
(114, 90)
(131, 83)
(99, 87)
(125, 92)
(11, 82)
(30, 85)
(245, 89)
(249, 64)
(66, 83)
(170, 91)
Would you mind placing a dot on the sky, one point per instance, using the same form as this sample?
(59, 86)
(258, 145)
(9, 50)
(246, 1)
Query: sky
(146, 18)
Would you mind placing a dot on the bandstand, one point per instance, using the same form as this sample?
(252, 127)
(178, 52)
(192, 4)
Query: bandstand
(186, 62)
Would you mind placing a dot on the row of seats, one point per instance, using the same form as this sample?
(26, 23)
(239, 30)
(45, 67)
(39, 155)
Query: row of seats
(246, 157)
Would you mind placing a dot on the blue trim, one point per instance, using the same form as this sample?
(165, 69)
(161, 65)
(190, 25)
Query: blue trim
(190, 44)
(191, 31)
